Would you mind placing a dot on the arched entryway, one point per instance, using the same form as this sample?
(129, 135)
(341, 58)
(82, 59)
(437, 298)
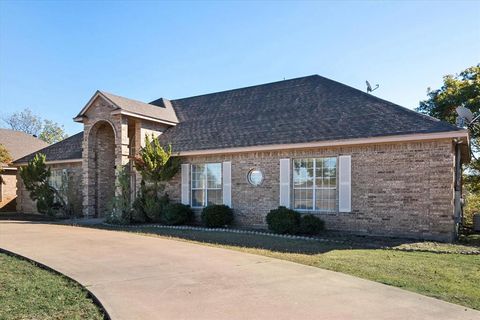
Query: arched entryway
(101, 167)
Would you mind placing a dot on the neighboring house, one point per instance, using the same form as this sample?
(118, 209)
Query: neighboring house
(361, 163)
(18, 144)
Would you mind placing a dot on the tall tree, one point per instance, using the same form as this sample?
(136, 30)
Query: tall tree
(28, 122)
(460, 89)
(52, 132)
(25, 121)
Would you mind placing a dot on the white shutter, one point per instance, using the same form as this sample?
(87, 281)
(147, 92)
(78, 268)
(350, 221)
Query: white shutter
(186, 183)
(227, 183)
(345, 184)
(285, 182)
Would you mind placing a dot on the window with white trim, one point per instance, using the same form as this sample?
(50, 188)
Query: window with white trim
(206, 184)
(315, 184)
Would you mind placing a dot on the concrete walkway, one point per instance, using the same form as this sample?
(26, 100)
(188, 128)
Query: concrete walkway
(140, 277)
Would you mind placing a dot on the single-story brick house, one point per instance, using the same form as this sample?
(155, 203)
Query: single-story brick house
(362, 164)
(18, 145)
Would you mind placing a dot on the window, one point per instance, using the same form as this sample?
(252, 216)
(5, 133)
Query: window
(206, 184)
(56, 178)
(255, 177)
(59, 181)
(315, 184)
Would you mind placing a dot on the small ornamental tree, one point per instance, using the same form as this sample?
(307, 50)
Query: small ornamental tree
(35, 178)
(155, 164)
(5, 158)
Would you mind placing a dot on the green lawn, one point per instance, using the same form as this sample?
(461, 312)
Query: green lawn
(29, 292)
(450, 277)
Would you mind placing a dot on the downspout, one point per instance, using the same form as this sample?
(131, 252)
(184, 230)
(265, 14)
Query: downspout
(458, 208)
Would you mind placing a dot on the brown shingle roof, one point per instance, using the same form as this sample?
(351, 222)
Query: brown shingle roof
(19, 143)
(68, 149)
(307, 109)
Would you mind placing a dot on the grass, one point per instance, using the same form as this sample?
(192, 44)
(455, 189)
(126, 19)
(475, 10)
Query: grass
(29, 292)
(450, 277)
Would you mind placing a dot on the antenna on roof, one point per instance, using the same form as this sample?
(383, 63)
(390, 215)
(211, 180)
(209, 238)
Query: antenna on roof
(369, 87)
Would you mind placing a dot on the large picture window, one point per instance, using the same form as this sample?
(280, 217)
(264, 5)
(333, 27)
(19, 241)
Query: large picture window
(206, 184)
(315, 184)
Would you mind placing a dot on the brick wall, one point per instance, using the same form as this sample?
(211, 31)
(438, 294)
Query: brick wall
(398, 189)
(8, 190)
(103, 152)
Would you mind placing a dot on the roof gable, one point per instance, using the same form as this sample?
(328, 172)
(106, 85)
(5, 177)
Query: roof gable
(162, 113)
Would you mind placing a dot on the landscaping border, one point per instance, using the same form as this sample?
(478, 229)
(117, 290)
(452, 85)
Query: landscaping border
(285, 236)
(90, 294)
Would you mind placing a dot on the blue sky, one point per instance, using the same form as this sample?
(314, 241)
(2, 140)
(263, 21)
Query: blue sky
(54, 55)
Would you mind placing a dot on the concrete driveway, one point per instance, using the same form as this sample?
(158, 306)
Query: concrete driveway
(140, 277)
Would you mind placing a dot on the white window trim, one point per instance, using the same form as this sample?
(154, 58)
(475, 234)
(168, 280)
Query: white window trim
(314, 187)
(205, 188)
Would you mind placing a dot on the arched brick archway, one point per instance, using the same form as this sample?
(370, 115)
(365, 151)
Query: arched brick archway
(101, 166)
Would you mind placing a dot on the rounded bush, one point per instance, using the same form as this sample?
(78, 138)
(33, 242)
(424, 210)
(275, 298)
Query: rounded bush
(217, 216)
(151, 205)
(177, 214)
(311, 225)
(138, 215)
(283, 220)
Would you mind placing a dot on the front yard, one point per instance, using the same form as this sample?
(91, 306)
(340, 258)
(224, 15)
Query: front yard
(29, 292)
(451, 277)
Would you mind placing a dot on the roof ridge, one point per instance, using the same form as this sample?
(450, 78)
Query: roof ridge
(123, 97)
(247, 87)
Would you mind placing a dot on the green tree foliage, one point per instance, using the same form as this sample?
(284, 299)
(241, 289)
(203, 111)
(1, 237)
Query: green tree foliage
(28, 122)
(461, 89)
(5, 158)
(155, 164)
(52, 132)
(35, 178)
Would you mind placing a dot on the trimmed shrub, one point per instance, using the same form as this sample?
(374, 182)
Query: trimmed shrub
(283, 220)
(138, 215)
(217, 216)
(311, 225)
(177, 214)
(153, 206)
